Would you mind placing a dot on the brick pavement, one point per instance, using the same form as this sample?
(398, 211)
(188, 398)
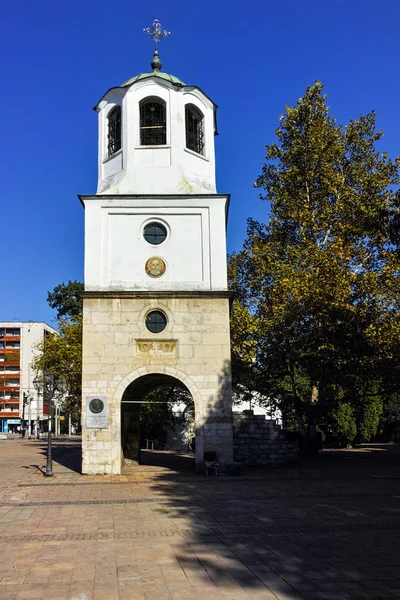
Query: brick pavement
(327, 529)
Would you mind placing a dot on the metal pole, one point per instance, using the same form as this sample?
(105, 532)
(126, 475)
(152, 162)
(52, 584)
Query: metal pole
(49, 461)
(29, 418)
(38, 416)
(23, 414)
(69, 425)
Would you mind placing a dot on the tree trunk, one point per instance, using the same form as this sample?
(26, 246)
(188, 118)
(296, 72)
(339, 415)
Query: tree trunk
(297, 401)
(314, 394)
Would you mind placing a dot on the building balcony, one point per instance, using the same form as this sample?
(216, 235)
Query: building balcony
(9, 388)
(11, 374)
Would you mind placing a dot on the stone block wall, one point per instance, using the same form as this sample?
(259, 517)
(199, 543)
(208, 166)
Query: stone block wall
(194, 349)
(258, 441)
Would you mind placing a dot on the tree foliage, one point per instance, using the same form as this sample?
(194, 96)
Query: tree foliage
(157, 415)
(65, 298)
(389, 427)
(319, 283)
(61, 355)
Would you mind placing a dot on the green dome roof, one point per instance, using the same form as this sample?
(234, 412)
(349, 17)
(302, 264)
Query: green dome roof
(156, 65)
(166, 76)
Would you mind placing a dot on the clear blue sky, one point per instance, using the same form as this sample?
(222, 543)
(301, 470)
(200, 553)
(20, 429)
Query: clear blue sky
(252, 58)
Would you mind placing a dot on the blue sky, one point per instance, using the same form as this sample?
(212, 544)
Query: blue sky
(252, 58)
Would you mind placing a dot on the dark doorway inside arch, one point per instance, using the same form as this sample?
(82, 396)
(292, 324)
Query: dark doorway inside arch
(157, 423)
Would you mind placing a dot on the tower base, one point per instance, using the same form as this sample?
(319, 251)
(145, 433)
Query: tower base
(123, 361)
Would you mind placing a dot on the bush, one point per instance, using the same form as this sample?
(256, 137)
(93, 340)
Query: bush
(343, 429)
(368, 418)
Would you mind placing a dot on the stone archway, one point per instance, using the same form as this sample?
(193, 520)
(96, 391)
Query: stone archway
(134, 387)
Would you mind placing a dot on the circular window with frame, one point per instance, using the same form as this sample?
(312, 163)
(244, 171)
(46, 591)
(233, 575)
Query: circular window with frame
(156, 321)
(155, 233)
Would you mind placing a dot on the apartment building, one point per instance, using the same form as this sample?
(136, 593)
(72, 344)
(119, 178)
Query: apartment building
(18, 344)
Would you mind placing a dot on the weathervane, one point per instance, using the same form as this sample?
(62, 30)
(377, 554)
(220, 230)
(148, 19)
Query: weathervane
(156, 32)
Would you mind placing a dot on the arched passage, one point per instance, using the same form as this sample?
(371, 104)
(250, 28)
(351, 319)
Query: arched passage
(155, 427)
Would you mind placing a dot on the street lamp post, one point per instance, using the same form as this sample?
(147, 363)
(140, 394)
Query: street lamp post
(38, 394)
(37, 417)
(49, 387)
(29, 416)
(27, 401)
(24, 401)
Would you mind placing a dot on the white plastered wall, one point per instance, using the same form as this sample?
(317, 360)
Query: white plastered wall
(194, 251)
(167, 169)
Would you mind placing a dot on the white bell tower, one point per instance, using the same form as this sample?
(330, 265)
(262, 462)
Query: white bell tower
(151, 155)
(156, 304)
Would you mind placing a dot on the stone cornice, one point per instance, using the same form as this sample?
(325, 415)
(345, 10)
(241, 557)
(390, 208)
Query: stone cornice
(126, 197)
(198, 295)
(149, 196)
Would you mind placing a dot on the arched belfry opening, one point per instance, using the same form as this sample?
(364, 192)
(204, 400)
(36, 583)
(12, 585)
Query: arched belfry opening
(156, 299)
(158, 422)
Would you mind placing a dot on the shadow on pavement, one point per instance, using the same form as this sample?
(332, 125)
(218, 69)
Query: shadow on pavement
(325, 529)
(67, 453)
(320, 529)
(168, 459)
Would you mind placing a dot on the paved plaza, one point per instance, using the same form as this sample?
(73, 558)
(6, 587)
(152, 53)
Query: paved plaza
(323, 529)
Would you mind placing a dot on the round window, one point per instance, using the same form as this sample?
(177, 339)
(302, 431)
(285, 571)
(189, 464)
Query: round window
(155, 233)
(156, 321)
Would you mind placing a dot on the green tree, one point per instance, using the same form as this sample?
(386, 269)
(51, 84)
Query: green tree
(61, 355)
(321, 281)
(343, 424)
(390, 419)
(156, 414)
(65, 298)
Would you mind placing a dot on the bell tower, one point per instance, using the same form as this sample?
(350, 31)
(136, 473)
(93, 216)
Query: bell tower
(156, 304)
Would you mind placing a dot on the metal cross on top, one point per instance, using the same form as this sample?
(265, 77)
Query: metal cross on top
(156, 32)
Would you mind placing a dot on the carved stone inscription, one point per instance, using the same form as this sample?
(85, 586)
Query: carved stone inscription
(164, 348)
(96, 412)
